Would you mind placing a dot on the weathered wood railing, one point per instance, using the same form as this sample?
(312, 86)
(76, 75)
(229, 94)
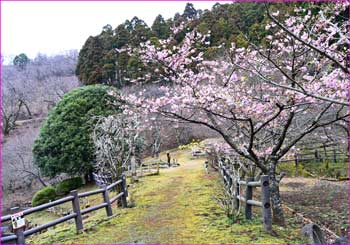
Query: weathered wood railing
(319, 152)
(233, 188)
(21, 233)
(150, 167)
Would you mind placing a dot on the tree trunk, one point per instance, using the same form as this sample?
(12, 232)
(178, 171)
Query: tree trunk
(168, 159)
(28, 110)
(88, 177)
(42, 181)
(277, 211)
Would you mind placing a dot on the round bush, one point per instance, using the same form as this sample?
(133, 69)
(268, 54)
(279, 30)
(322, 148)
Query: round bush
(68, 185)
(64, 144)
(44, 195)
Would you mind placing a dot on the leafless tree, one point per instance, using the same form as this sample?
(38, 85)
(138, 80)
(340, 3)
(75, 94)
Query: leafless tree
(43, 81)
(19, 171)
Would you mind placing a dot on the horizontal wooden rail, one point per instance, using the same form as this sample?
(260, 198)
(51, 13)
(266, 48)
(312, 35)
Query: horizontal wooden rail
(233, 189)
(90, 193)
(77, 213)
(40, 207)
(50, 224)
(252, 184)
(329, 158)
(93, 208)
(117, 197)
(255, 203)
(114, 184)
(5, 239)
(241, 198)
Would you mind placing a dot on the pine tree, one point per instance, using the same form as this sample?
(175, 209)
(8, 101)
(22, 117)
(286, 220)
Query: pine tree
(160, 28)
(190, 12)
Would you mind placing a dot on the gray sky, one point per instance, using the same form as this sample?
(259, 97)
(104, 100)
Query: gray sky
(54, 27)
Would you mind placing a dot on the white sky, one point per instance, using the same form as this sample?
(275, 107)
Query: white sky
(54, 27)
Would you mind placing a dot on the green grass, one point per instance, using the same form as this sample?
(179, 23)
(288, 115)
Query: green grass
(176, 206)
(320, 169)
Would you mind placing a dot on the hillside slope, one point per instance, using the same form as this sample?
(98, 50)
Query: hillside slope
(177, 206)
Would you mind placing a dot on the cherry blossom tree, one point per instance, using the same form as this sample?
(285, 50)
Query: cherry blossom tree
(261, 100)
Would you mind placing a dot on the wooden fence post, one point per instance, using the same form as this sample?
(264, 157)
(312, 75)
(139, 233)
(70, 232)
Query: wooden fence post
(266, 205)
(248, 196)
(125, 190)
(20, 235)
(76, 209)
(296, 162)
(106, 200)
(20, 231)
(236, 183)
(334, 155)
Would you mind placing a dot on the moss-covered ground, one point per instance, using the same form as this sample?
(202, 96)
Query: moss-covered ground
(177, 206)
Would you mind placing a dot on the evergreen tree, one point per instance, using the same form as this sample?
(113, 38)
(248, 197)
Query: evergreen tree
(160, 28)
(21, 61)
(97, 59)
(122, 36)
(190, 12)
(64, 144)
(139, 31)
(89, 68)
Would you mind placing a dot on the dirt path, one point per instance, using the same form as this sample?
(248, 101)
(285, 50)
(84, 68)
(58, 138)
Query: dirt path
(176, 206)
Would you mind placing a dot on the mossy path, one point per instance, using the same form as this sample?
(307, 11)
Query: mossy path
(177, 206)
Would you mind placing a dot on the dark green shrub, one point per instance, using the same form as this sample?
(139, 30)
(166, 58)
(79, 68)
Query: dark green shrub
(64, 144)
(68, 185)
(44, 195)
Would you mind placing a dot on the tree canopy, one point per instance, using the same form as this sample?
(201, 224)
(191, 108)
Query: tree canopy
(64, 144)
(262, 99)
(21, 61)
(104, 59)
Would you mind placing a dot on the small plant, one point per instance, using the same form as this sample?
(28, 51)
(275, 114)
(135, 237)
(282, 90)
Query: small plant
(44, 195)
(67, 185)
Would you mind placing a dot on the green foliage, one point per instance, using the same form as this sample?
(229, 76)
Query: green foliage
(328, 169)
(64, 144)
(290, 169)
(190, 12)
(100, 63)
(311, 169)
(160, 28)
(96, 62)
(44, 195)
(68, 185)
(21, 61)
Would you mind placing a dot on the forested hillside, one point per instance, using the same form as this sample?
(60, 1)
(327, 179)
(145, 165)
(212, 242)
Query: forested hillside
(106, 59)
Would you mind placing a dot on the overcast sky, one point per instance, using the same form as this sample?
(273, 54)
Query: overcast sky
(54, 27)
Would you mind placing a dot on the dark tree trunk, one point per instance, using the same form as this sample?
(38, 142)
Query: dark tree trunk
(28, 111)
(278, 215)
(168, 159)
(89, 177)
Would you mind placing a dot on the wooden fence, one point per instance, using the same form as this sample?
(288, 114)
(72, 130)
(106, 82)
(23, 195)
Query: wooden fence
(319, 152)
(21, 233)
(151, 167)
(102, 180)
(233, 189)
